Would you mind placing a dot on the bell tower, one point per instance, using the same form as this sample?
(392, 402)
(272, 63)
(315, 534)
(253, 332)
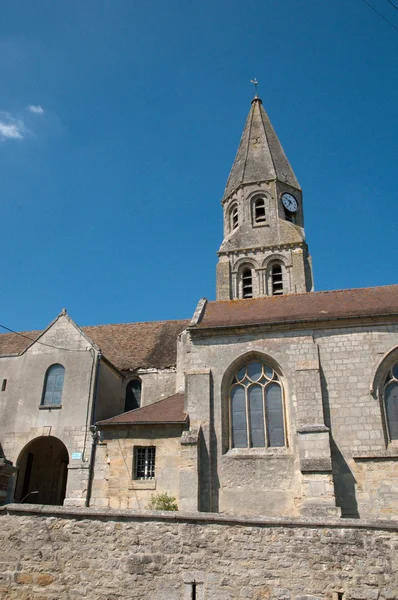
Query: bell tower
(264, 252)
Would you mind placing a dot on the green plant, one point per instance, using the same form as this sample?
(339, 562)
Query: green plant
(162, 502)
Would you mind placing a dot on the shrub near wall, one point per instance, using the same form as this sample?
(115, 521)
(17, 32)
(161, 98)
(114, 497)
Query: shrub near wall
(55, 553)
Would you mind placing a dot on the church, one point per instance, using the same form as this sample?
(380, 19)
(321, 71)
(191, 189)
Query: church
(273, 400)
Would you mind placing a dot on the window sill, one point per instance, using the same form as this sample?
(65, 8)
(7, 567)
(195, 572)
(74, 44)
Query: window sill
(142, 484)
(50, 406)
(265, 224)
(387, 453)
(276, 452)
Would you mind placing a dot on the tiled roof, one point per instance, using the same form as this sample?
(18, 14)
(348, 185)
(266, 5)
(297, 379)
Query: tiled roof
(138, 345)
(169, 410)
(11, 343)
(127, 346)
(311, 306)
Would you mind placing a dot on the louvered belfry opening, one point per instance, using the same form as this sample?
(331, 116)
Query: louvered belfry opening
(277, 280)
(234, 218)
(259, 210)
(247, 283)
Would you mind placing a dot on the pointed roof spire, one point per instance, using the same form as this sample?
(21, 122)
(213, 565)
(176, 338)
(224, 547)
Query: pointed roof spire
(260, 156)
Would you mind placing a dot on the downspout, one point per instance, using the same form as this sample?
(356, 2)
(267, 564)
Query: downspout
(94, 433)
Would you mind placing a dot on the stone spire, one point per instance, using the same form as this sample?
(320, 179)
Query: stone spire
(264, 250)
(260, 156)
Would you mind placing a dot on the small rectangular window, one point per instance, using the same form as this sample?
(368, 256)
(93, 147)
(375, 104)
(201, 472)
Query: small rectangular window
(144, 462)
(194, 590)
(4, 385)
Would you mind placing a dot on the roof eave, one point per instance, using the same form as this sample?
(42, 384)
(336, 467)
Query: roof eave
(196, 329)
(104, 424)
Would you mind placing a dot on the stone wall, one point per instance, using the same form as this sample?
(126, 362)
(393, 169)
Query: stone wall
(51, 553)
(328, 376)
(114, 485)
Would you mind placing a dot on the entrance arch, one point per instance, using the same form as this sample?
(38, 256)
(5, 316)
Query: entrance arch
(43, 471)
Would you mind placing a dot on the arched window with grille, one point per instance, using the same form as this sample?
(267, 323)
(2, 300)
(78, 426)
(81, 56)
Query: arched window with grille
(53, 386)
(247, 283)
(233, 217)
(256, 407)
(133, 395)
(390, 396)
(259, 211)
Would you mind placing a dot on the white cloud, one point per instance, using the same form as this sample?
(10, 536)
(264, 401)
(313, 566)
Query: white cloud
(36, 109)
(11, 128)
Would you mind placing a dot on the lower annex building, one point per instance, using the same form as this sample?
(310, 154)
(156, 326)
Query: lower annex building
(273, 400)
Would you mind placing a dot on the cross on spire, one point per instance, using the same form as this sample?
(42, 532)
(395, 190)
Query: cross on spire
(255, 83)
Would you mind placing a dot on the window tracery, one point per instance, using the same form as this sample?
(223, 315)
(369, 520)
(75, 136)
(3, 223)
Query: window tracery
(256, 407)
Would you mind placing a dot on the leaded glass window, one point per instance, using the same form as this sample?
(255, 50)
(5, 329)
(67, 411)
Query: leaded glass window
(391, 402)
(256, 407)
(53, 386)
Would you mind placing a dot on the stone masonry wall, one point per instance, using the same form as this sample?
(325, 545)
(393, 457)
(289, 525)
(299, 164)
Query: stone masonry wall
(50, 553)
(328, 376)
(114, 485)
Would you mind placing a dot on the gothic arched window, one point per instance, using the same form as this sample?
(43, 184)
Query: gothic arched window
(133, 395)
(391, 402)
(259, 210)
(256, 407)
(234, 217)
(277, 280)
(53, 386)
(247, 283)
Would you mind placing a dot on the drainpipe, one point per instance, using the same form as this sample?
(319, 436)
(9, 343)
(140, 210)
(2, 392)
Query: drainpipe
(94, 433)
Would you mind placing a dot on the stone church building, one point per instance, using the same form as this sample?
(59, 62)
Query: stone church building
(273, 400)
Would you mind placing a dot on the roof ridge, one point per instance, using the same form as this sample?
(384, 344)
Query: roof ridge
(286, 296)
(267, 139)
(137, 323)
(40, 331)
(248, 142)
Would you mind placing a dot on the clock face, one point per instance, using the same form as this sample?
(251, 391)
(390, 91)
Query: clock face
(289, 202)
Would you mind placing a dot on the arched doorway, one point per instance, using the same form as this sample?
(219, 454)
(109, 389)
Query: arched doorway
(43, 471)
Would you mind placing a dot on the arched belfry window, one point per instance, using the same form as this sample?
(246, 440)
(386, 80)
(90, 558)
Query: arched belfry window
(233, 217)
(391, 402)
(277, 280)
(53, 386)
(247, 283)
(291, 217)
(256, 407)
(259, 210)
(133, 395)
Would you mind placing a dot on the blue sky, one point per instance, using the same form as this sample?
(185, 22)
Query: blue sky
(119, 122)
